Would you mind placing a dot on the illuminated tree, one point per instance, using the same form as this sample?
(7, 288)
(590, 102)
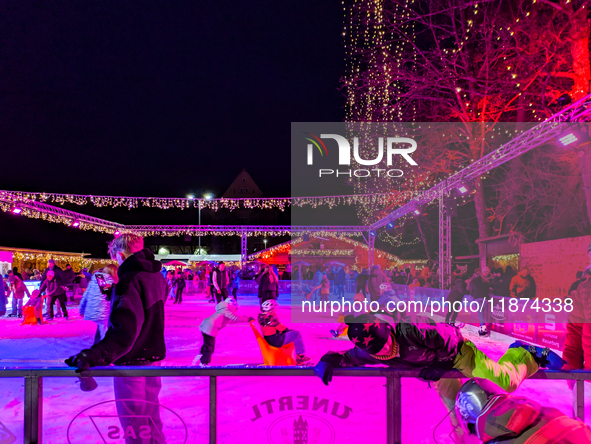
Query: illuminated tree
(476, 63)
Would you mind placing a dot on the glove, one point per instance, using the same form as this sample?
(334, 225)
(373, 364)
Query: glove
(324, 371)
(80, 361)
(432, 373)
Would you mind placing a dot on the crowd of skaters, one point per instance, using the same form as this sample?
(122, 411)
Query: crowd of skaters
(128, 301)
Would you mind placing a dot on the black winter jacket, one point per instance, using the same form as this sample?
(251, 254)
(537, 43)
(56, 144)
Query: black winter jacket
(136, 323)
(420, 345)
(479, 287)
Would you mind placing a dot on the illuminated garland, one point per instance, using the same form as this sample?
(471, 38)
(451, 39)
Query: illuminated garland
(272, 251)
(165, 203)
(506, 257)
(54, 218)
(326, 252)
(81, 261)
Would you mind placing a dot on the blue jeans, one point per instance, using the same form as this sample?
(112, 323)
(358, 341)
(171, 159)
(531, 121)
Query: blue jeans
(17, 304)
(137, 403)
(295, 337)
(483, 315)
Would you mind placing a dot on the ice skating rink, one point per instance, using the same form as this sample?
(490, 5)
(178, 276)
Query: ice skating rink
(250, 409)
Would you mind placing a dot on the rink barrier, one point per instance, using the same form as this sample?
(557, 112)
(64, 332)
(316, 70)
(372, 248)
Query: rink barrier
(33, 413)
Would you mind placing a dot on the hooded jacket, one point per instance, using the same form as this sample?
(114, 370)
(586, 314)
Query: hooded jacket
(522, 287)
(376, 278)
(479, 287)
(224, 315)
(136, 323)
(517, 420)
(421, 344)
(52, 287)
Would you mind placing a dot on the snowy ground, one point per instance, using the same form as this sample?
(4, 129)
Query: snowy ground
(349, 410)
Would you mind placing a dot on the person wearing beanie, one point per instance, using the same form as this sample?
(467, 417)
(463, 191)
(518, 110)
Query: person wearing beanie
(225, 313)
(434, 349)
(36, 301)
(493, 417)
(577, 343)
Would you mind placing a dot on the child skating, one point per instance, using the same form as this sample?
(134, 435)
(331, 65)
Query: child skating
(277, 335)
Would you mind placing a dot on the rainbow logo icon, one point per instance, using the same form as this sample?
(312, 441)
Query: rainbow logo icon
(315, 142)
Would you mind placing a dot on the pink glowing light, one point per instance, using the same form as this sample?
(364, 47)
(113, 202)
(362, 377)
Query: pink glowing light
(17, 210)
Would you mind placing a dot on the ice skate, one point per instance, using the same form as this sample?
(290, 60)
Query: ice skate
(483, 331)
(302, 360)
(544, 357)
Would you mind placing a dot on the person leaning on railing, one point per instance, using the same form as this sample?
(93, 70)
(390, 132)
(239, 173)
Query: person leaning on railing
(421, 343)
(135, 335)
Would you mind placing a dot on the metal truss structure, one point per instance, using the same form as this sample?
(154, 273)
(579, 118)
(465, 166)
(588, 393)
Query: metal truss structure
(523, 143)
(444, 245)
(59, 212)
(528, 140)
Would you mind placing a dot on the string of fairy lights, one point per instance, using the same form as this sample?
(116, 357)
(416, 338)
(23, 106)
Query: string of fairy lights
(165, 203)
(42, 258)
(287, 247)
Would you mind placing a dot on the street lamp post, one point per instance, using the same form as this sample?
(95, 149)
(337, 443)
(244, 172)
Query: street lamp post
(206, 197)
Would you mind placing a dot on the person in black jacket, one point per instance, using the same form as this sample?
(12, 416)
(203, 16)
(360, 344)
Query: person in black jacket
(434, 349)
(135, 335)
(455, 295)
(479, 286)
(54, 290)
(361, 282)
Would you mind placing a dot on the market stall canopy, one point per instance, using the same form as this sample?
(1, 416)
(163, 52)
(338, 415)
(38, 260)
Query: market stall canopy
(176, 262)
(331, 263)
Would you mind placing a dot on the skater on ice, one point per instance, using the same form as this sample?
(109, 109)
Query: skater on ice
(488, 415)
(276, 334)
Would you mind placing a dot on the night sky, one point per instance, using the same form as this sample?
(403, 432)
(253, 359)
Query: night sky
(158, 98)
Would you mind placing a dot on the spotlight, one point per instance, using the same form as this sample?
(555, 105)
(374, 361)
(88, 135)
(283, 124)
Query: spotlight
(17, 210)
(463, 189)
(208, 197)
(417, 212)
(117, 233)
(390, 225)
(75, 223)
(573, 134)
(568, 139)
(373, 233)
(190, 196)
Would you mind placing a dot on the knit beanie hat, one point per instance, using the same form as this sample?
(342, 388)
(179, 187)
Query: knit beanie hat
(367, 332)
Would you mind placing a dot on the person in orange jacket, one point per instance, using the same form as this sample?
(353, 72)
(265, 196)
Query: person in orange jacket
(487, 413)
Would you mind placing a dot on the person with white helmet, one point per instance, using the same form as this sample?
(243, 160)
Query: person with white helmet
(276, 334)
(225, 313)
(487, 414)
